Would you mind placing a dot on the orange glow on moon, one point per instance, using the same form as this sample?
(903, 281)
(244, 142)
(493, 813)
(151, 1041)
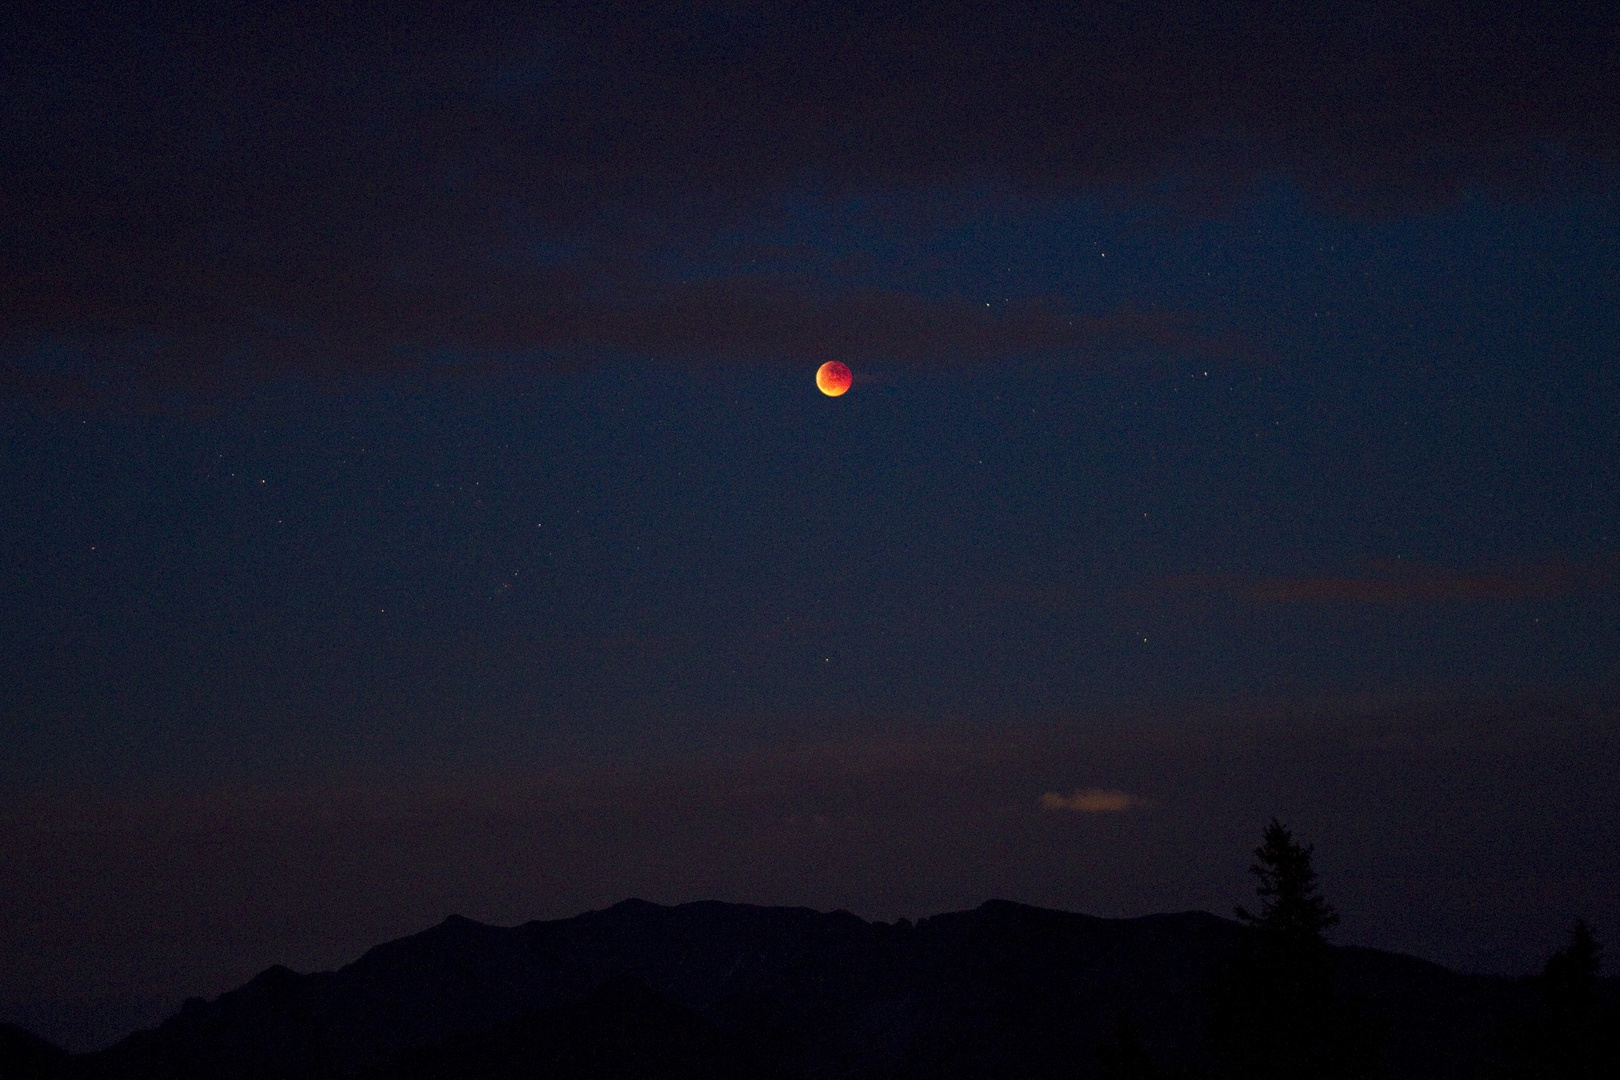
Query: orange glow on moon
(833, 378)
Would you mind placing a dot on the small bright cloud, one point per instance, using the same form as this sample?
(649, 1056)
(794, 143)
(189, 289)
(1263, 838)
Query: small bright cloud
(1089, 801)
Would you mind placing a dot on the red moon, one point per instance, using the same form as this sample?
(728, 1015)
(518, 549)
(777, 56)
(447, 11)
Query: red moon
(833, 378)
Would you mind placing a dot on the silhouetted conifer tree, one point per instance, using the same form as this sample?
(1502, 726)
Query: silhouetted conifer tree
(1291, 909)
(1576, 1035)
(1274, 1014)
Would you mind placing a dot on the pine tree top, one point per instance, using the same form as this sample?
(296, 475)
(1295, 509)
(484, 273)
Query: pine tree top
(1290, 904)
(1570, 977)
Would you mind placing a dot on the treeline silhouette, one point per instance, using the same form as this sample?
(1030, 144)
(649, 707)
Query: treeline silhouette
(1276, 1013)
(712, 991)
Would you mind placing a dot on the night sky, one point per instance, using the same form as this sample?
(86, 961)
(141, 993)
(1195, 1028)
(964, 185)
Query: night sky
(415, 496)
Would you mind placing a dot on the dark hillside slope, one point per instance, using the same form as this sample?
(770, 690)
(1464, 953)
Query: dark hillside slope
(1433, 1021)
(25, 1056)
(619, 1031)
(1005, 990)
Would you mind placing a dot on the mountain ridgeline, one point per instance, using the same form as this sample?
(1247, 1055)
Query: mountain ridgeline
(714, 990)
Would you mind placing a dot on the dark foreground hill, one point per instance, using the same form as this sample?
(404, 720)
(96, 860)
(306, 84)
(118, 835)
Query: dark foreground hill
(726, 990)
(24, 1055)
(619, 1031)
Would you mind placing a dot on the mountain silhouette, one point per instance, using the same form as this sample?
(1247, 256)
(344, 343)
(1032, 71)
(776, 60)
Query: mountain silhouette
(25, 1056)
(718, 990)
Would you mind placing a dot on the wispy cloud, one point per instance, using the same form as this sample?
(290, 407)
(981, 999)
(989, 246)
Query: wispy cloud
(198, 202)
(1090, 801)
(1392, 583)
(212, 335)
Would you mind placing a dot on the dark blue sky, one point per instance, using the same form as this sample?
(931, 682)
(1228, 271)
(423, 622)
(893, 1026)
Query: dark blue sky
(390, 539)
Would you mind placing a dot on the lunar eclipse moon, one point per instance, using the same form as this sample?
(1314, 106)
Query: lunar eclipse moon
(833, 378)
